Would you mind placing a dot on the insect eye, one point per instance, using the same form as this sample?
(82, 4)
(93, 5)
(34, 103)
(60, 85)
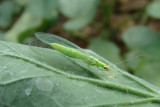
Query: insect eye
(106, 68)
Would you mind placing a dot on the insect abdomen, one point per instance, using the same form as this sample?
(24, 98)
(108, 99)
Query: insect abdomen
(68, 51)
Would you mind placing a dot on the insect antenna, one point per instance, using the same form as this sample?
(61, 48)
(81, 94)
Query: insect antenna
(128, 59)
(125, 61)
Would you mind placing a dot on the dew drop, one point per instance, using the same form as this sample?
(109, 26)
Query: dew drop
(44, 84)
(28, 91)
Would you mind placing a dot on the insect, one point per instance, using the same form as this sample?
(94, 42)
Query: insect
(70, 52)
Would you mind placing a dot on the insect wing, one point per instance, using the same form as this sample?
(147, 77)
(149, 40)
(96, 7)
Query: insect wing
(51, 38)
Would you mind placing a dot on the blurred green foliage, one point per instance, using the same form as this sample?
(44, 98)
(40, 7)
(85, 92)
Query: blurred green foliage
(7, 10)
(78, 19)
(153, 9)
(81, 12)
(35, 16)
(142, 40)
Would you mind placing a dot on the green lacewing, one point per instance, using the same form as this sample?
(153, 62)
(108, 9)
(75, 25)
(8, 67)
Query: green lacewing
(70, 52)
(69, 49)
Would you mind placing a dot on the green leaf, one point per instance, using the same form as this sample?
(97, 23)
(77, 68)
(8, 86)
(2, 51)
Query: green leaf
(39, 77)
(7, 10)
(144, 41)
(81, 12)
(153, 9)
(36, 16)
(106, 49)
(140, 36)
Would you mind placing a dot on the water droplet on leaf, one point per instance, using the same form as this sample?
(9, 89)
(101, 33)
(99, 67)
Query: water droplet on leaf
(28, 91)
